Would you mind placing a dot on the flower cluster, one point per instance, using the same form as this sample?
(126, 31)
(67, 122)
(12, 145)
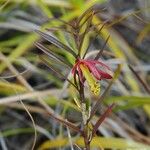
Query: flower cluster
(90, 71)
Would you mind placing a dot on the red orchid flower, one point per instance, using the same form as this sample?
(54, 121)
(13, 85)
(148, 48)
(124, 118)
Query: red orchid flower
(90, 71)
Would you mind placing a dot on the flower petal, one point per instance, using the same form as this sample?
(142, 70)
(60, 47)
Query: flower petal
(104, 75)
(93, 70)
(98, 62)
(74, 68)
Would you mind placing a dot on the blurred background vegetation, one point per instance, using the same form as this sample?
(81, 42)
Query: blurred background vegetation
(24, 77)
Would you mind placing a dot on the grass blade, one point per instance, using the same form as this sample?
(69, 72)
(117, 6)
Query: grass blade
(56, 42)
(51, 54)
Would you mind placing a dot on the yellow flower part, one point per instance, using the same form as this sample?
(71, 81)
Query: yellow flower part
(94, 85)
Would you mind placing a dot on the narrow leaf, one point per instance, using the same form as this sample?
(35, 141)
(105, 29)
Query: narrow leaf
(84, 14)
(87, 19)
(94, 38)
(56, 42)
(101, 119)
(51, 54)
(92, 13)
(60, 28)
(101, 50)
(84, 34)
(60, 20)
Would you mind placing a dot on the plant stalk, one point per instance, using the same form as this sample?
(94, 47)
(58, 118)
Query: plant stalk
(84, 116)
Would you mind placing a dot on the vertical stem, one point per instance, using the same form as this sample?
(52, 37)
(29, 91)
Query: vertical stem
(82, 92)
(82, 96)
(85, 130)
(87, 144)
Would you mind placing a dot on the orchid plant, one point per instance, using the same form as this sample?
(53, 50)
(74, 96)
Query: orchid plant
(83, 70)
